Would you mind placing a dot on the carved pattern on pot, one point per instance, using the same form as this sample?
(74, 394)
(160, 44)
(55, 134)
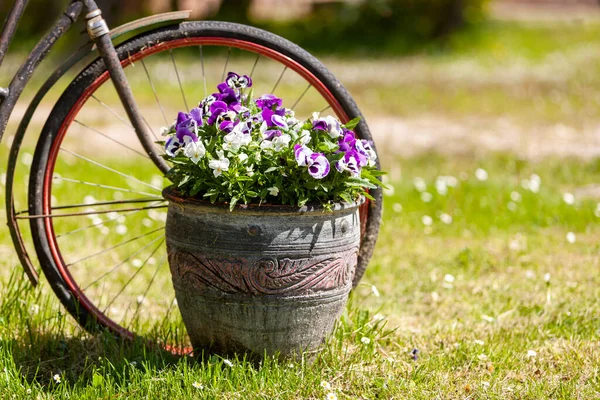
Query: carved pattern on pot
(268, 276)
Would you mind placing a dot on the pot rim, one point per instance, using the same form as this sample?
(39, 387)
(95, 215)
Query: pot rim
(172, 195)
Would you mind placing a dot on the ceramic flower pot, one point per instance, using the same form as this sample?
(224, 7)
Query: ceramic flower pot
(260, 280)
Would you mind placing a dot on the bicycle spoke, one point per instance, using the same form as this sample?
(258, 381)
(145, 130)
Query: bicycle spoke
(254, 66)
(179, 80)
(110, 110)
(154, 91)
(112, 139)
(301, 96)
(108, 202)
(226, 62)
(111, 169)
(160, 264)
(203, 73)
(279, 80)
(134, 275)
(325, 109)
(102, 222)
(123, 261)
(113, 188)
(116, 246)
(38, 216)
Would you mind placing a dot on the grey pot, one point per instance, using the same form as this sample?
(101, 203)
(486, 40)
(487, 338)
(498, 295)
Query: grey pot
(260, 280)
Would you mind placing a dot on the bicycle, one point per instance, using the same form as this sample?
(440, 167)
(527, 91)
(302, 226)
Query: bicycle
(104, 255)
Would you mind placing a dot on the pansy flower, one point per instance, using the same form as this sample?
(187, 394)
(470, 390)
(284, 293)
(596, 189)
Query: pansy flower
(329, 124)
(268, 101)
(319, 167)
(236, 81)
(302, 154)
(216, 108)
(350, 162)
(274, 118)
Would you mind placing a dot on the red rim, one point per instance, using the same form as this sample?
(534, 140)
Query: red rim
(214, 41)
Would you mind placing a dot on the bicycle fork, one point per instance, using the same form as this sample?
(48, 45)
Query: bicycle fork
(97, 30)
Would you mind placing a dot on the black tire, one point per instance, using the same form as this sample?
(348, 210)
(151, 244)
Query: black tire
(70, 97)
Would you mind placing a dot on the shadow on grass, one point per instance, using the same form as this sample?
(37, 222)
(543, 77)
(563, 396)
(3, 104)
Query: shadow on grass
(79, 359)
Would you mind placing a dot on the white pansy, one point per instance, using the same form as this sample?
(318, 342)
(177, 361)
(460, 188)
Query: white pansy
(219, 165)
(273, 190)
(333, 126)
(195, 151)
(281, 142)
(304, 137)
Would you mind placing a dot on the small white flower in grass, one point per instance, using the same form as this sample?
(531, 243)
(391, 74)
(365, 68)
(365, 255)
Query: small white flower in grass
(420, 184)
(375, 291)
(485, 384)
(569, 198)
(325, 385)
(481, 174)
(531, 353)
(136, 262)
(482, 357)
(34, 309)
(446, 218)
(227, 362)
(378, 317)
(365, 340)
(547, 277)
(28, 391)
(27, 159)
(427, 220)
(515, 196)
(512, 206)
(529, 274)
(140, 299)
(331, 396)
(273, 191)
(195, 151)
(571, 238)
(121, 229)
(479, 342)
(487, 318)
(426, 197)
(104, 230)
(397, 207)
(56, 378)
(198, 385)
(449, 278)
(89, 199)
(441, 186)
(534, 183)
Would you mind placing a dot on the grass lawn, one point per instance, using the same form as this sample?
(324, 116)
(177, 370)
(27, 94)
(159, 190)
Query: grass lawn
(484, 282)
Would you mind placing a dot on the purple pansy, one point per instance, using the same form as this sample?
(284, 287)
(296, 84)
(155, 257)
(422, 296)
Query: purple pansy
(217, 108)
(320, 125)
(236, 81)
(196, 114)
(172, 145)
(350, 162)
(274, 118)
(270, 134)
(206, 103)
(347, 142)
(329, 124)
(302, 154)
(227, 94)
(319, 167)
(184, 135)
(268, 101)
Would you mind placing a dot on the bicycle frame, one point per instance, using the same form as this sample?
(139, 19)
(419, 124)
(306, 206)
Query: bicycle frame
(98, 32)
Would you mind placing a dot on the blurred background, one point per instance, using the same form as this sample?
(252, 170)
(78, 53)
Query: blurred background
(486, 114)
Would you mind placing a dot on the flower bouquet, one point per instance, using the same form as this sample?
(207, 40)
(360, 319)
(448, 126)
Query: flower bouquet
(265, 266)
(237, 149)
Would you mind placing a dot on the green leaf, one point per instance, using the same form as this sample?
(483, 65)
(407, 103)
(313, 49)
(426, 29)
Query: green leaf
(233, 202)
(271, 169)
(352, 124)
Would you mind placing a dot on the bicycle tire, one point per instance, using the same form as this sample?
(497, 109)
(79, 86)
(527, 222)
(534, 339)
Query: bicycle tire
(50, 258)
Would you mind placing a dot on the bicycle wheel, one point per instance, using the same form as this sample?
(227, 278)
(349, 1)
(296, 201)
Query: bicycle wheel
(95, 203)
